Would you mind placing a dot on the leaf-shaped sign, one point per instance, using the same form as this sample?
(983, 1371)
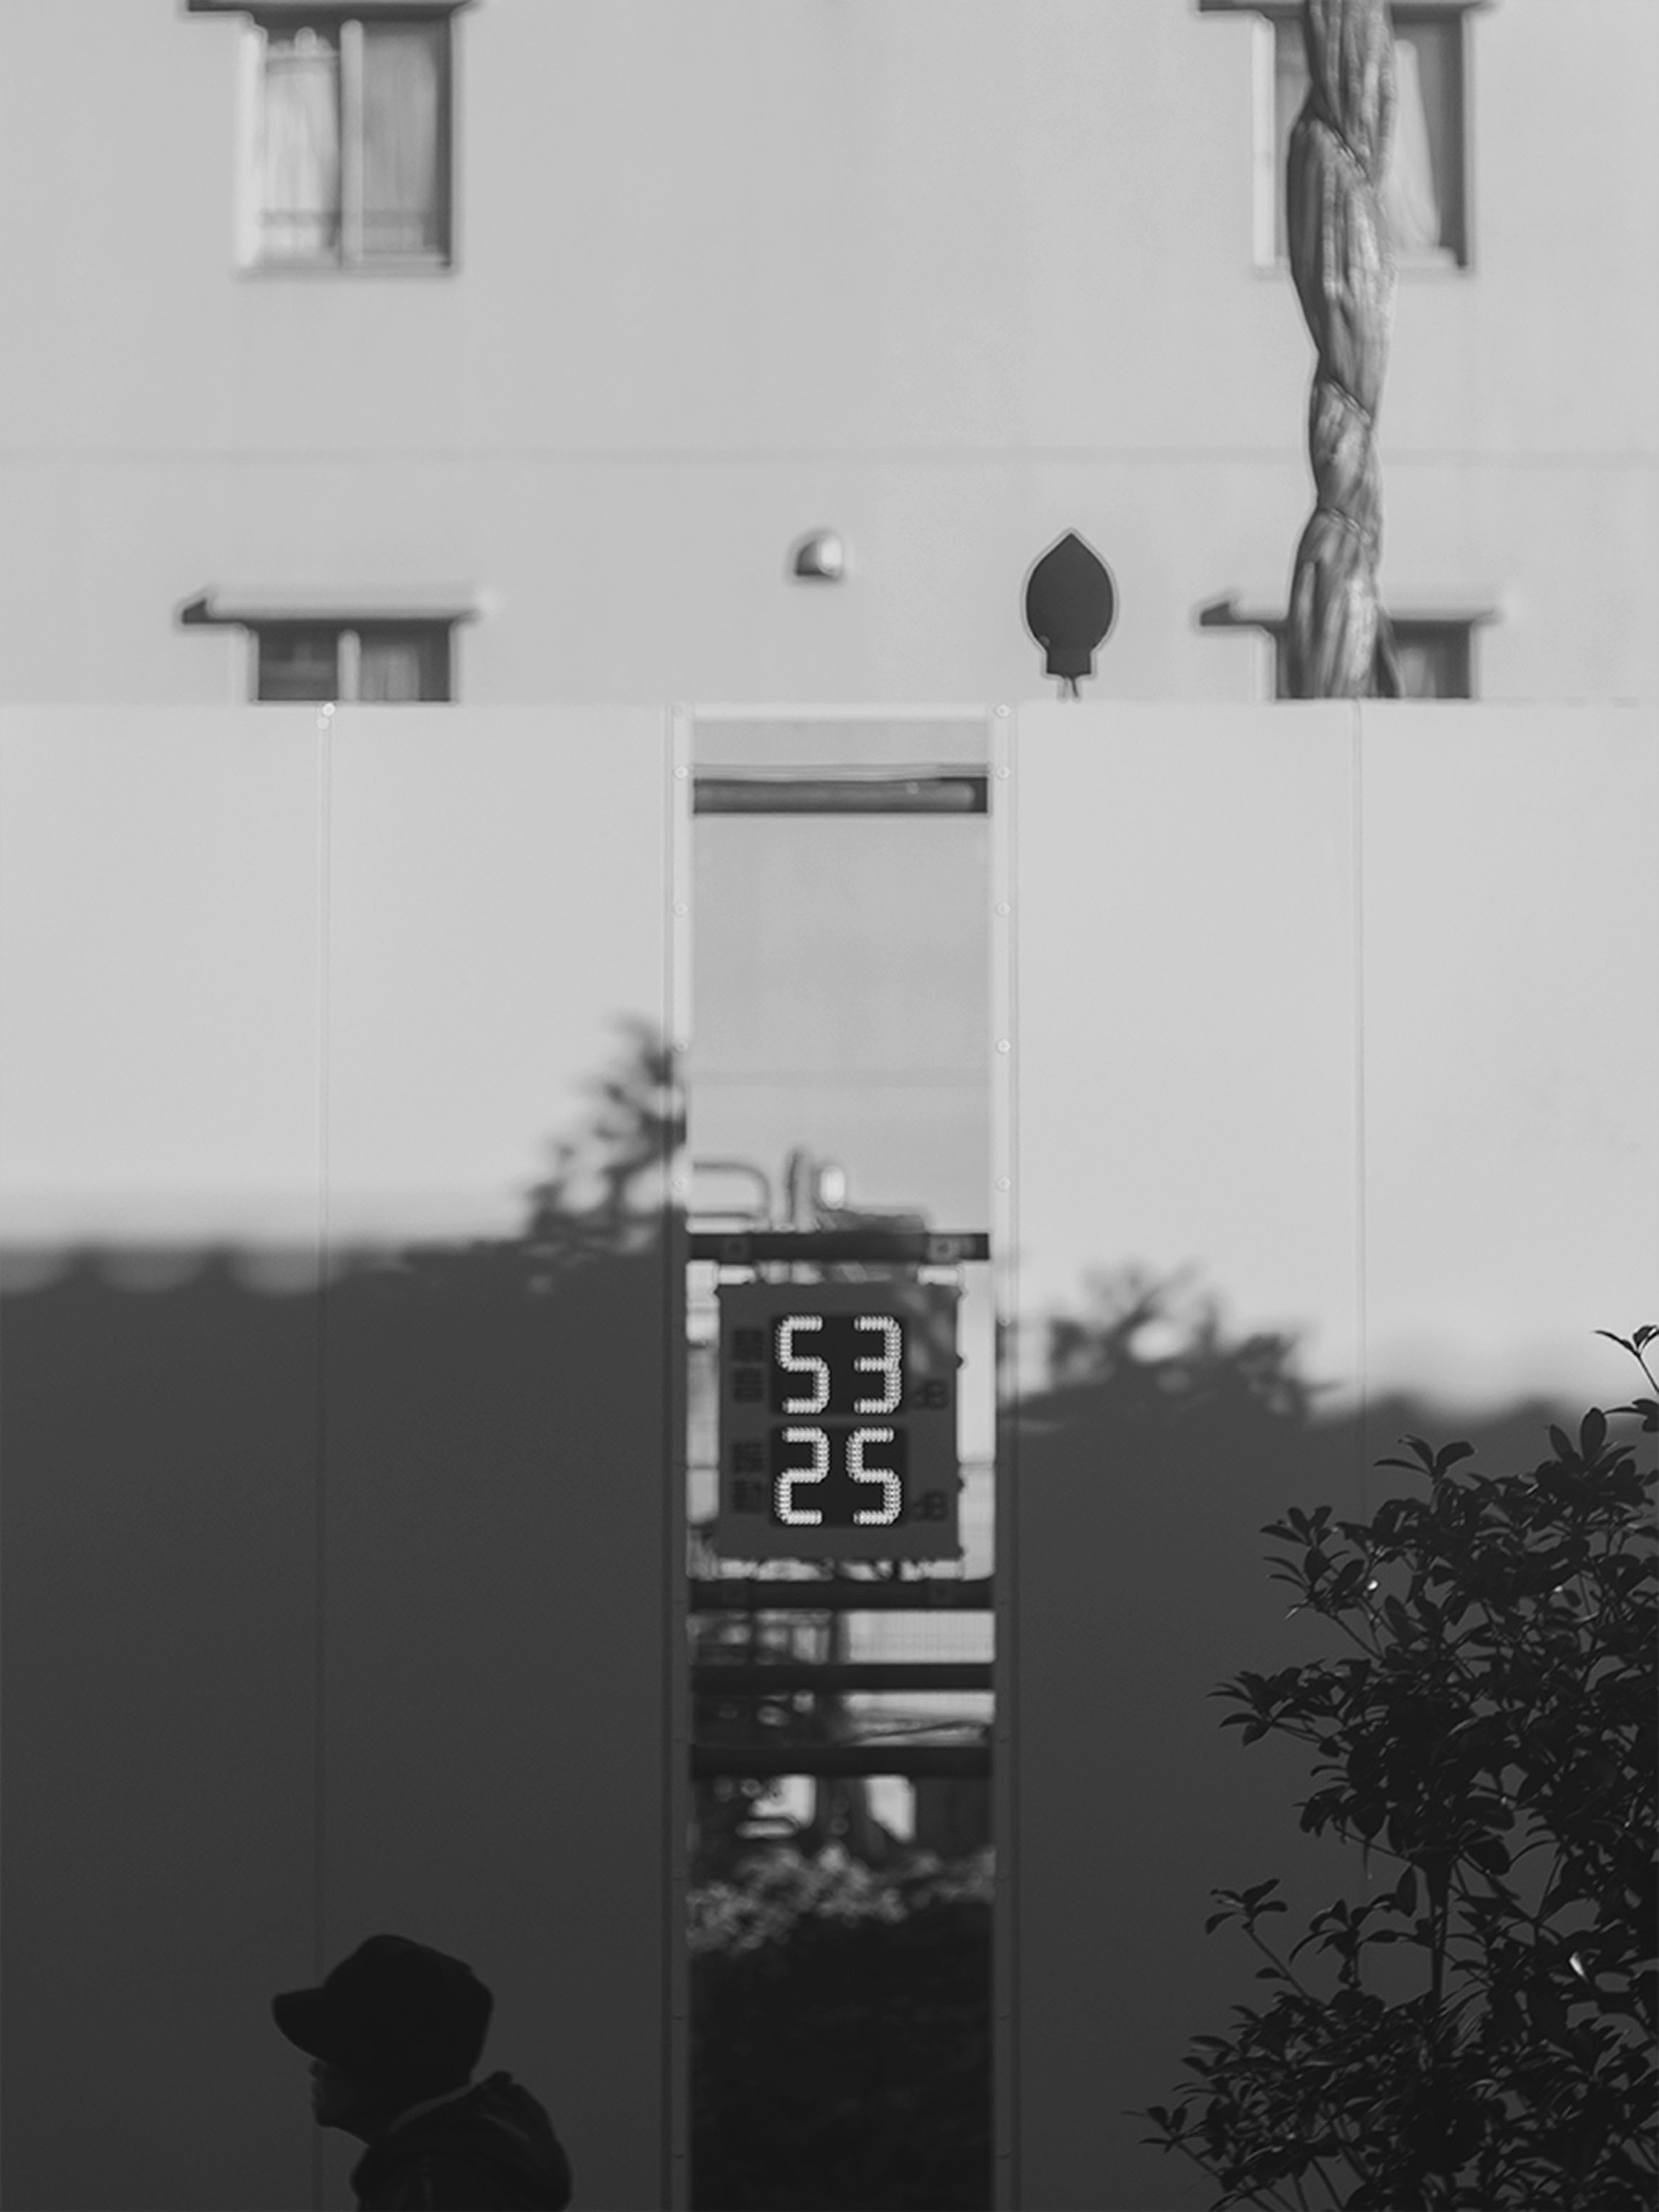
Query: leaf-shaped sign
(1071, 603)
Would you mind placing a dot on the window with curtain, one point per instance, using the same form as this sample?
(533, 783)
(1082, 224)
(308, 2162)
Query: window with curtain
(1423, 192)
(371, 662)
(300, 146)
(298, 661)
(402, 662)
(1434, 660)
(352, 155)
(402, 148)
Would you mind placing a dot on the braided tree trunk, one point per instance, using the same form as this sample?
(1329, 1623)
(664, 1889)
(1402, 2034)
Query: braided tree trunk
(1339, 643)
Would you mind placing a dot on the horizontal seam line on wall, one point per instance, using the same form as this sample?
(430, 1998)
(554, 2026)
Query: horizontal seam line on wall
(861, 1079)
(713, 456)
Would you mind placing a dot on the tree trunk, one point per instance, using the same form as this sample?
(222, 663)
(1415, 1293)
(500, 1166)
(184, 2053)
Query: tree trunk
(1339, 644)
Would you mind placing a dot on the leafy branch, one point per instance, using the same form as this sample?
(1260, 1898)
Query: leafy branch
(1489, 1730)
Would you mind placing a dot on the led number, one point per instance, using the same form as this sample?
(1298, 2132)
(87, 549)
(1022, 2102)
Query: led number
(802, 1517)
(888, 1363)
(799, 1363)
(892, 1505)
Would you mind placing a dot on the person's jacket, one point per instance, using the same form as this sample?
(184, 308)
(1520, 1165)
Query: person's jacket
(492, 2149)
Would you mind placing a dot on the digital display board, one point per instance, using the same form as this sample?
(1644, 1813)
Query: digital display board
(838, 1421)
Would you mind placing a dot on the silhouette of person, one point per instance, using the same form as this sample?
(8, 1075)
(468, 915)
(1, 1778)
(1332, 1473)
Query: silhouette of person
(394, 2033)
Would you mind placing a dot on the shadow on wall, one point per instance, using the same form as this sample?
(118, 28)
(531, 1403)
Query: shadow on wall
(371, 1570)
(490, 1423)
(1148, 1464)
(1156, 1449)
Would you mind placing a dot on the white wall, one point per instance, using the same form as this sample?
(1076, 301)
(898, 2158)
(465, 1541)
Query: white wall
(1349, 1004)
(1350, 1008)
(325, 1614)
(1344, 1005)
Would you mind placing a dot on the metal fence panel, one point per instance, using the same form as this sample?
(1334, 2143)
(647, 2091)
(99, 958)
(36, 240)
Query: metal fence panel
(341, 1610)
(1341, 1009)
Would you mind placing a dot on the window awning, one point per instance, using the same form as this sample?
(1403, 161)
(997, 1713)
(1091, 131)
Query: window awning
(252, 604)
(312, 7)
(1292, 6)
(1259, 610)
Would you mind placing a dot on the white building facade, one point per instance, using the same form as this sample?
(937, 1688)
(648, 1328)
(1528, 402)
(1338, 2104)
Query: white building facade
(504, 351)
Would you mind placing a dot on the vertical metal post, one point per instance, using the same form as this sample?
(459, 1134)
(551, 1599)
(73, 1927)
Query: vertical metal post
(677, 2055)
(320, 1684)
(1005, 1769)
(348, 665)
(351, 141)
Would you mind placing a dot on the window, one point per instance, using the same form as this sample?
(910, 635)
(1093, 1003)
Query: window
(371, 663)
(343, 642)
(1434, 639)
(1435, 659)
(350, 151)
(1424, 193)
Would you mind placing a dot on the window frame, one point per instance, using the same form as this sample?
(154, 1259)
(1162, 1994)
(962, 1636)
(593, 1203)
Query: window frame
(344, 20)
(1267, 182)
(1456, 632)
(438, 636)
(1449, 615)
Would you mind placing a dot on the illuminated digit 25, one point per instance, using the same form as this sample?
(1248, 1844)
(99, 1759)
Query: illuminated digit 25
(802, 1363)
(888, 1363)
(892, 1505)
(802, 1517)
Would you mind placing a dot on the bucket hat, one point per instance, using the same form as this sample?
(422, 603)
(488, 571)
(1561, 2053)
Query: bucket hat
(393, 2008)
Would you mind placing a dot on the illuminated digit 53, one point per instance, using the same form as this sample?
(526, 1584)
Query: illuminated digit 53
(892, 1505)
(802, 1517)
(888, 1363)
(799, 1363)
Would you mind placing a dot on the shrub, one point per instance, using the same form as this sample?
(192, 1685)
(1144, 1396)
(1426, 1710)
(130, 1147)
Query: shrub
(840, 2036)
(1491, 1736)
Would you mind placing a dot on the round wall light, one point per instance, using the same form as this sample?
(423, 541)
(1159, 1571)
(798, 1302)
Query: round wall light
(818, 557)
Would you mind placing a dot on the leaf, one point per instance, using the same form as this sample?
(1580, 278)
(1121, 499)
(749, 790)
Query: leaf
(1422, 1463)
(1490, 1855)
(1450, 1454)
(1397, 1618)
(1368, 1816)
(1252, 1897)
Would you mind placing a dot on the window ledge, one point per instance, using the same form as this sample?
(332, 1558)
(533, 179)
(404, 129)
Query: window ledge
(1432, 268)
(313, 271)
(1416, 269)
